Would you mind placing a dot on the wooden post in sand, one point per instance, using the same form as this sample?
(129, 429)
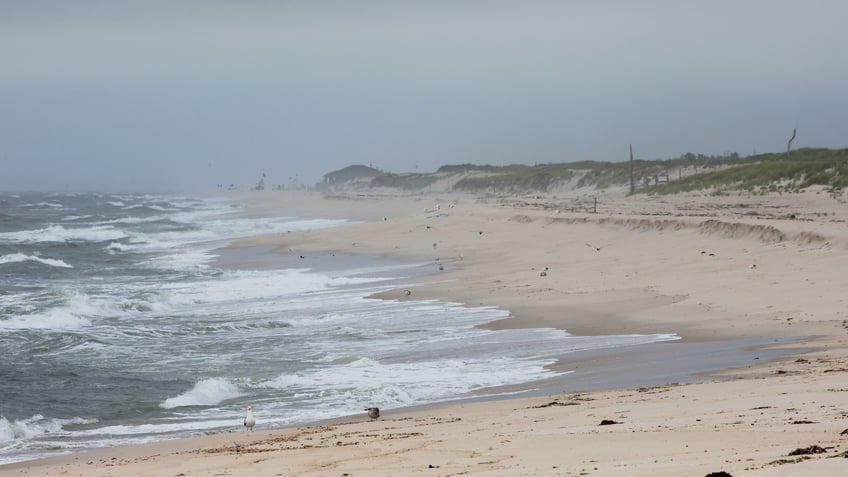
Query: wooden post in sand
(632, 184)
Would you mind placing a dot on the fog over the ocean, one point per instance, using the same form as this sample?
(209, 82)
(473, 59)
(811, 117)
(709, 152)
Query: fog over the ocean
(181, 96)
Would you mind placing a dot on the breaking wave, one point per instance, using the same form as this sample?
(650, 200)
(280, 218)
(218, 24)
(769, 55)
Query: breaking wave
(20, 257)
(206, 392)
(57, 233)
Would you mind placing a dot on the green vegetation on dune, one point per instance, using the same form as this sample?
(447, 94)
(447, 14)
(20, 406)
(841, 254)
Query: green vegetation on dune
(771, 173)
(513, 178)
(460, 168)
(404, 181)
(597, 174)
(607, 174)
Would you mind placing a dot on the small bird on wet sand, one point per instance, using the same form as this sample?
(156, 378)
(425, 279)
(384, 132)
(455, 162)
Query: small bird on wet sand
(373, 412)
(249, 420)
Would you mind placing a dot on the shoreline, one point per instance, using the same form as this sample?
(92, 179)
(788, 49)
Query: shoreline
(714, 356)
(735, 353)
(636, 273)
(669, 367)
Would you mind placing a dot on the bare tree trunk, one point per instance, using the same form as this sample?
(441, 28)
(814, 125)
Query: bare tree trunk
(789, 146)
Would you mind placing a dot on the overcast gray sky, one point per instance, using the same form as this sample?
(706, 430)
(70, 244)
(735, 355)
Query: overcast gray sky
(180, 96)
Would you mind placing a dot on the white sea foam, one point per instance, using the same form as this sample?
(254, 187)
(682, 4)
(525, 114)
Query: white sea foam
(206, 392)
(73, 314)
(132, 220)
(139, 433)
(20, 257)
(157, 208)
(34, 426)
(72, 218)
(194, 245)
(250, 286)
(115, 247)
(346, 387)
(226, 224)
(44, 204)
(57, 233)
(51, 320)
(196, 258)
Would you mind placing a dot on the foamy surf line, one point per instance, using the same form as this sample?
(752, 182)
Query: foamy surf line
(296, 338)
(293, 335)
(423, 370)
(414, 272)
(664, 360)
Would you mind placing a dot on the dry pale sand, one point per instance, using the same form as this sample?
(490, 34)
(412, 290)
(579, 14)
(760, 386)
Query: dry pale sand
(706, 268)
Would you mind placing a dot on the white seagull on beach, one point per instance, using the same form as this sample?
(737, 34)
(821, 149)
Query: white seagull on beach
(249, 420)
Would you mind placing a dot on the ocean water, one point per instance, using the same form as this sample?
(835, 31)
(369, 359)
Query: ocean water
(117, 328)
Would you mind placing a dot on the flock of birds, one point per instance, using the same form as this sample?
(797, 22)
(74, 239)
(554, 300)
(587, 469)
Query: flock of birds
(250, 419)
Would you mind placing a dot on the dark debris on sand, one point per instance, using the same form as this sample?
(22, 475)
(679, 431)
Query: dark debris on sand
(808, 450)
(557, 403)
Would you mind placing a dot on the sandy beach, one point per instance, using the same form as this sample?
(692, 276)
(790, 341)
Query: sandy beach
(710, 269)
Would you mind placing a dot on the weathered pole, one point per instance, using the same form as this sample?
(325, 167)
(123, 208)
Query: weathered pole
(789, 146)
(632, 184)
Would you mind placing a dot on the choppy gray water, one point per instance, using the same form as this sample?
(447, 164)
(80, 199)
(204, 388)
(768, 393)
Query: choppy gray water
(114, 329)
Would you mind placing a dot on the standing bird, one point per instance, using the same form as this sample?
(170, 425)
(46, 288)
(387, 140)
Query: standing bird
(249, 420)
(373, 412)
